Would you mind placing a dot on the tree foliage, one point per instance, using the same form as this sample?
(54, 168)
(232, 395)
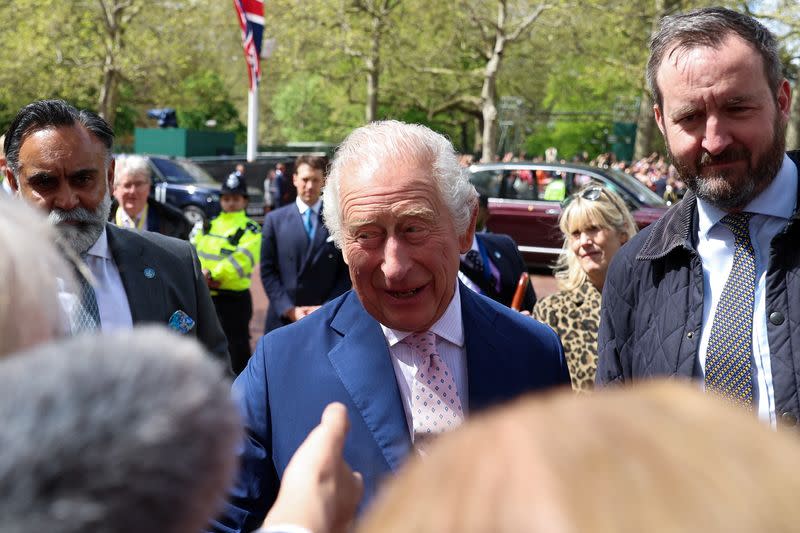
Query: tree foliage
(573, 68)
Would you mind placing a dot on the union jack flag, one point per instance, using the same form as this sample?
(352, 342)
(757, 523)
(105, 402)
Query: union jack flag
(251, 20)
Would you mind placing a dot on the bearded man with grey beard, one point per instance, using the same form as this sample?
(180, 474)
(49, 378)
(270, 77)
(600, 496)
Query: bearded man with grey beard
(59, 159)
(711, 291)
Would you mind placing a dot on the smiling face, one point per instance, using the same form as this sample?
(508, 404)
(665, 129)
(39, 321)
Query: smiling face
(595, 246)
(400, 244)
(723, 124)
(65, 172)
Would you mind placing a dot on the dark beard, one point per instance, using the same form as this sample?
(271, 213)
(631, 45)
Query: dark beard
(717, 189)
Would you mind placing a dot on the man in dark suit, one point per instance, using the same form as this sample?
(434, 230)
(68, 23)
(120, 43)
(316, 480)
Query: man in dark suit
(59, 159)
(301, 268)
(493, 264)
(134, 208)
(410, 351)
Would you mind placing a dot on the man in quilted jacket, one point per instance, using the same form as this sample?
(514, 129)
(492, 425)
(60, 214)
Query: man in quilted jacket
(711, 291)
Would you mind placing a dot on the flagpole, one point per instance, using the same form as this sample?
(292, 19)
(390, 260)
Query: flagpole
(252, 123)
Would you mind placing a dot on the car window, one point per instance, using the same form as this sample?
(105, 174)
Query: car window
(172, 171)
(519, 184)
(487, 182)
(643, 194)
(198, 173)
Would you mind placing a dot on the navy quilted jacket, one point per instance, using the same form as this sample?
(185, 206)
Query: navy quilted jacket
(652, 309)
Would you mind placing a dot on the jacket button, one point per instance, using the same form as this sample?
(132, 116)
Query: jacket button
(788, 419)
(690, 334)
(776, 318)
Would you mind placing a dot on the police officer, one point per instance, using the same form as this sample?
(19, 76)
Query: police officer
(229, 248)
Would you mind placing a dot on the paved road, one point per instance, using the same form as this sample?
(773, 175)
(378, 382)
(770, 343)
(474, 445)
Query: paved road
(543, 283)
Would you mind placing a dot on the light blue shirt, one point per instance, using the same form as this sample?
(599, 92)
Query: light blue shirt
(715, 245)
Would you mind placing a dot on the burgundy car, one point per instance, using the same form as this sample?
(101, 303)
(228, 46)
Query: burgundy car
(525, 201)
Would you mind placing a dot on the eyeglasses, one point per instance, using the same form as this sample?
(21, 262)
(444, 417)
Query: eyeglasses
(589, 193)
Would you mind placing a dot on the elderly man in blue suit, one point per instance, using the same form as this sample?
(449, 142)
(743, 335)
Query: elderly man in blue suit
(410, 351)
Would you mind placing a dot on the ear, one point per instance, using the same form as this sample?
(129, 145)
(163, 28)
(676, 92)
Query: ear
(12, 181)
(110, 175)
(659, 118)
(784, 99)
(465, 240)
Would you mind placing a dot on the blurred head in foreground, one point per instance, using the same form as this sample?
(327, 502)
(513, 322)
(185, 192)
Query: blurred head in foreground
(121, 433)
(33, 273)
(657, 458)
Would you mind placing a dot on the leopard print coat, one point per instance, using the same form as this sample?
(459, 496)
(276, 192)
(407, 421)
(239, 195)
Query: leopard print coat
(575, 316)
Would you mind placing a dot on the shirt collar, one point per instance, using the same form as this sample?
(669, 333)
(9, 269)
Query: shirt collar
(100, 246)
(303, 207)
(777, 200)
(449, 326)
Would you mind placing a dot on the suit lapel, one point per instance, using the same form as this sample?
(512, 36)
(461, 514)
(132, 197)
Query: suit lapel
(481, 344)
(145, 294)
(364, 366)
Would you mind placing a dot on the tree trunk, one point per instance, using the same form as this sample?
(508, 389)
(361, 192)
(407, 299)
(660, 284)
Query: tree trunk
(489, 89)
(793, 130)
(646, 128)
(373, 62)
(107, 102)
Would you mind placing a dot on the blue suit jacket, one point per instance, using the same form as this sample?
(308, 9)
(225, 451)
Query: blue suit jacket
(503, 252)
(295, 272)
(339, 353)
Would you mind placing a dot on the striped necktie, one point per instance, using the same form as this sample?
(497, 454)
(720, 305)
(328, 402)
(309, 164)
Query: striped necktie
(730, 344)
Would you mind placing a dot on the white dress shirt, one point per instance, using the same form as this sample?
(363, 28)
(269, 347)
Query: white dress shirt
(449, 330)
(303, 207)
(112, 301)
(715, 245)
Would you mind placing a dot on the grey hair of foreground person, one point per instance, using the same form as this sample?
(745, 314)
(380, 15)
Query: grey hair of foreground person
(385, 144)
(127, 432)
(710, 27)
(127, 164)
(33, 274)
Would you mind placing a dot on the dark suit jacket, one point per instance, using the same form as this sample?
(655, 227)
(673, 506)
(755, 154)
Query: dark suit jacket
(161, 218)
(339, 353)
(503, 252)
(295, 273)
(162, 275)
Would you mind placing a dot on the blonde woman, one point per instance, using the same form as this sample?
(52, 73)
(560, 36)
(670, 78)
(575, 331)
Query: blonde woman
(595, 223)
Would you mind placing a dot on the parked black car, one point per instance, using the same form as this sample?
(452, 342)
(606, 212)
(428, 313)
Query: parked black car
(183, 184)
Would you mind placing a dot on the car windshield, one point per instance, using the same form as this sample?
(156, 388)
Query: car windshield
(634, 186)
(199, 174)
(181, 173)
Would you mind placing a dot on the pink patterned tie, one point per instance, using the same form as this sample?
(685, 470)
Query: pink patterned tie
(434, 399)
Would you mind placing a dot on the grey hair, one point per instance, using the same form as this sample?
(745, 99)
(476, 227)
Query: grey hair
(390, 142)
(117, 433)
(33, 274)
(710, 27)
(126, 164)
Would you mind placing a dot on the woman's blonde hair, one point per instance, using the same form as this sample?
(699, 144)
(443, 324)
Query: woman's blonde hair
(605, 210)
(657, 457)
(33, 273)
